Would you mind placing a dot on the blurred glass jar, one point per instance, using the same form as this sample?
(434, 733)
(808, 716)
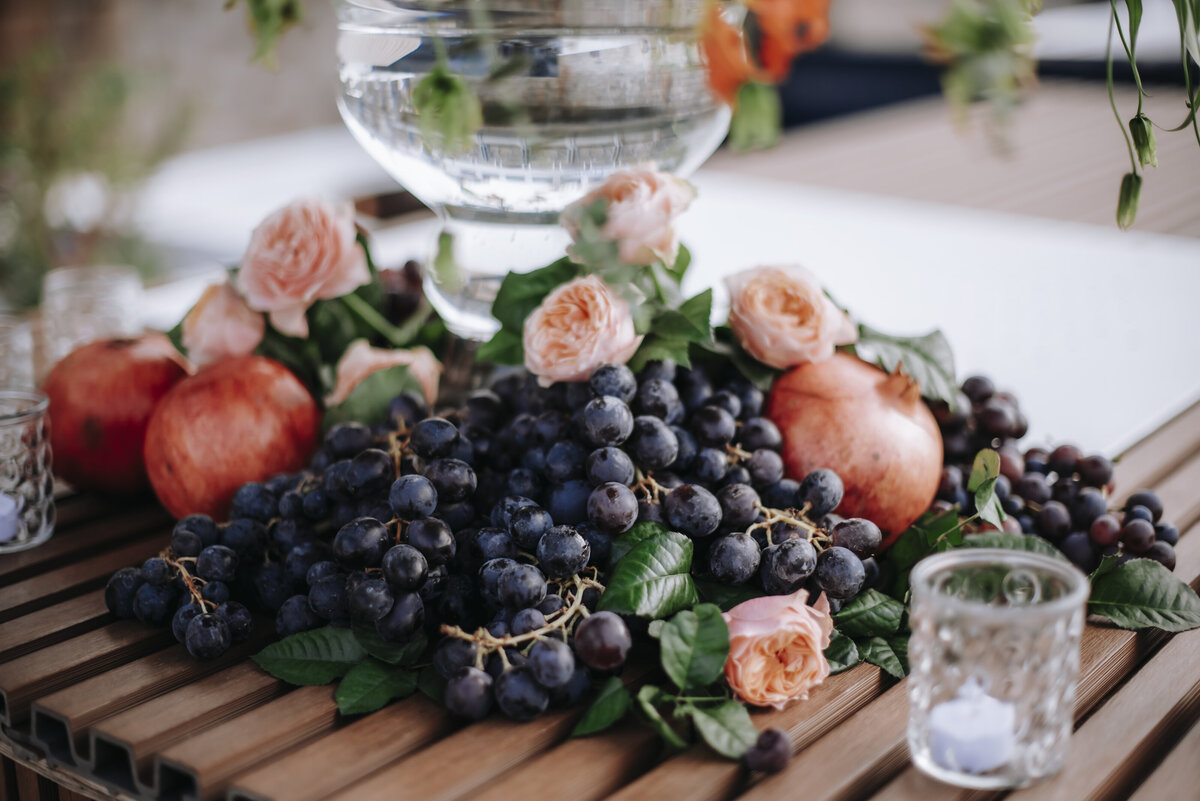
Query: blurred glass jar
(16, 352)
(84, 304)
(571, 91)
(26, 470)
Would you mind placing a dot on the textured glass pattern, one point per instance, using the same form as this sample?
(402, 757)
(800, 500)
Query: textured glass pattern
(1006, 623)
(16, 352)
(26, 472)
(84, 304)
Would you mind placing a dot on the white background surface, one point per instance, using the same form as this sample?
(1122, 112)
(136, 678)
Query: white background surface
(1096, 330)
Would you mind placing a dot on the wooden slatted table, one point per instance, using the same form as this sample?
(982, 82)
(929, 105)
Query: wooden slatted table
(91, 707)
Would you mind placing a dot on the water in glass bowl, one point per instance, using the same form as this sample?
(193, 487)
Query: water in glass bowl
(572, 90)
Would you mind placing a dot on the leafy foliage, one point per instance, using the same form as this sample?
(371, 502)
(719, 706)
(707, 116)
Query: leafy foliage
(653, 579)
(927, 359)
(610, 706)
(312, 657)
(371, 684)
(1143, 594)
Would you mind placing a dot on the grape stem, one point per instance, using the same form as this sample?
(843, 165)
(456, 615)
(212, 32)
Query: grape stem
(814, 533)
(651, 490)
(189, 581)
(561, 620)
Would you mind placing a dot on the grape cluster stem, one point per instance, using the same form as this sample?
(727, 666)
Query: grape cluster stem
(191, 582)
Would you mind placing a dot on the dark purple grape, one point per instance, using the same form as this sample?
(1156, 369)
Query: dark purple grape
(1089, 504)
(1079, 549)
(602, 641)
(361, 543)
(652, 445)
(766, 468)
(294, 616)
(433, 538)
(739, 506)
(528, 524)
(786, 566)
(861, 537)
(713, 426)
(207, 636)
(1163, 553)
(403, 620)
(453, 479)
(1149, 499)
(1105, 531)
(1064, 460)
(607, 421)
(239, 620)
(783, 495)
(254, 501)
(734, 558)
(1095, 471)
(840, 574)
(614, 379)
(1138, 535)
(658, 398)
(609, 464)
(822, 490)
(469, 693)
(412, 496)
(370, 473)
(759, 432)
(692, 510)
(434, 438)
(770, 752)
(1166, 532)
(710, 466)
(519, 586)
(978, 388)
(1033, 487)
(562, 551)
(551, 662)
(612, 508)
(1054, 521)
(519, 695)
(370, 600)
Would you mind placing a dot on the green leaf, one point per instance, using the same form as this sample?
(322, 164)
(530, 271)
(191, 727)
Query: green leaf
(683, 260)
(726, 728)
(1107, 565)
(982, 482)
(927, 359)
(625, 543)
(727, 348)
(404, 655)
(842, 654)
(505, 347)
(311, 657)
(931, 533)
(653, 579)
(448, 111)
(694, 646)
(368, 402)
(1012, 542)
(431, 684)
(726, 596)
(757, 118)
(899, 645)
(370, 684)
(520, 294)
(1142, 594)
(269, 19)
(878, 652)
(658, 349)
(871, 614)
(610, 706)
(647, 697)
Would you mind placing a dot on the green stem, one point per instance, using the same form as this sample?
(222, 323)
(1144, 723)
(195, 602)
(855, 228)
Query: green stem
(1129, 53)
(398, 337)
(1112, 99)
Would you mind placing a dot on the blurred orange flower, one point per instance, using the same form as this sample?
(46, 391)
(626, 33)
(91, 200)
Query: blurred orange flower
(725, 54)
(789, 28)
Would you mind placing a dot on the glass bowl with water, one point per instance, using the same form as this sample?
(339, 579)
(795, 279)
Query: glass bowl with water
(571, 90)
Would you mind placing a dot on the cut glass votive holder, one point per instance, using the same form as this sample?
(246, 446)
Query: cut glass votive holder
(995, 661)
(26, 472)
(84, 304)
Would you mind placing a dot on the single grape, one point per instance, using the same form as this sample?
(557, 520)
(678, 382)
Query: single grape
(527, 620)
(302, 557)
(652, 445)
(432, 537)
(254, 501)
(328, 598)
(658, 398)
(1166, 532)
(271, 587)
(519, 695)
(361, 543)
(978, 388)
(403, 620)
(412, 496)
(1105, 530)
(783, 495)
(406, 409)
(295, 616)
(551, 662)
(1138, 535)
(713, 426)
(551, 426)
(469, 693)
(766, 467)
(822, 490)
(567, 503)
(183, 615)
(492, 543)
(453, 479)
(840, 574)
(787, 565)
(551, 604)
(710, 466)
(525, 482)
(739, 506)
(452, 655)
(770, 752)
(202, 526)
(156, 571)
(1054, 521)
(238, 618)
(528, 524)
(217, 563)
(185, 542)
(996, 419)
(519, 586)
(1089, 504)
(759, 432)
(317, 504)
(1095, 470)
(688, 450)
(1079, 549)
(1148, 499)
(599, 544)
(602, 641)
(574, 691)
(609, 464)
(218, 592)
(207, 636)
(562, 551)
(456, 515)
(1064, 460)
(370, 472)
(244, 536)
(612, 508)
(727, 400)
(565, 461)
(434, 438)
(1138, 513)
(607, 421)
(502, 512)
(370, 600)
(616, 380)
(1161, 552)
(489, 579)
(1033, 487)
(861, 537)
(692, 510)
(734, 558)
(288, 533)
(345, 440)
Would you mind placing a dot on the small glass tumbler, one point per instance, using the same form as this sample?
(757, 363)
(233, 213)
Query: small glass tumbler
(16, 352)
(995, 661)
(83, 304)
(26, 472)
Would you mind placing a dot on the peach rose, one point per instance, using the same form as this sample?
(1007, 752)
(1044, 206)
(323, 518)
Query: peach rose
(579, 326)
(777, 648)
(782, 318)
(642, 205)
(360, 360)
(221, 326)
(304, 252)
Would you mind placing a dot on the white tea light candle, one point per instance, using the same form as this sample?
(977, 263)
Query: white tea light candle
(10, 518)
(974, 732)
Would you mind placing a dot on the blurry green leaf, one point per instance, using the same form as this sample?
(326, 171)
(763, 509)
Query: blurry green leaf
(878, 651)
(726, 728)
(842, 654)
(505, 347)
(984, 474)
(371, 684)
(444, 265)
(368, 402)
(757, 118)
(1127, 201)
(520, 294)
(448, 111)
(269, 20)
(648, 698)
(1012, 542)
(610, 706)
(927, 359)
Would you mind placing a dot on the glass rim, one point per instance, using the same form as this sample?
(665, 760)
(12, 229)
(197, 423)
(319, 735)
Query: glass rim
(39, 403)
(1078, 586)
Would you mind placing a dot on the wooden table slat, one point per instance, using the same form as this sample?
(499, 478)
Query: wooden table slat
(53, 624)
(1153, 459)
(1179, 774)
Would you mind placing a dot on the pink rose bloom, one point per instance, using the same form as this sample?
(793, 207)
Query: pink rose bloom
(221, 326)
(782, 318)
(579, 326)
(304, 252)
(642, 205)
(360, 360)
(777, 648)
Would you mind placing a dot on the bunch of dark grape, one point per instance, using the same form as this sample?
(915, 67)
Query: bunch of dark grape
(1059, 494)
(489, 529)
